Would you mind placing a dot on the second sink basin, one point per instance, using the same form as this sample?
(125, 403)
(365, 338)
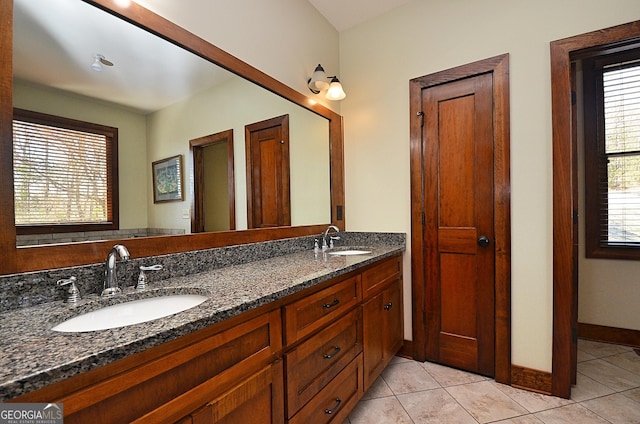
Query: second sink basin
(129, 313)
(350, 252)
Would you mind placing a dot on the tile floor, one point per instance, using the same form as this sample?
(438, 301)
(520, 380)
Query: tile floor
(608, 391)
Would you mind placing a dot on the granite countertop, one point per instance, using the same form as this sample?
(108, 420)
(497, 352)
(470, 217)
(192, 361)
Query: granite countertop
(33, 356)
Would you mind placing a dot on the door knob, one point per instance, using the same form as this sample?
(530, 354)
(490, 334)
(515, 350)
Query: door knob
(483, 241)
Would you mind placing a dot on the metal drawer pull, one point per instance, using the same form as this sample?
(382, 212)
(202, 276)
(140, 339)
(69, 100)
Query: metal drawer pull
(331, 305)
(336, 349)
(331, 411)
(388, 306)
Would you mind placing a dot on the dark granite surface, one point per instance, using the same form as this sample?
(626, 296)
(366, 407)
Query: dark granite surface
(33, 356)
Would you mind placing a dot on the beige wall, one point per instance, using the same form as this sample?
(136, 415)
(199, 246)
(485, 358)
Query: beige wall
(379, 58)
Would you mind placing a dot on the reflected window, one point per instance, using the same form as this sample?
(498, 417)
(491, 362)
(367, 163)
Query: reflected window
(65, 174)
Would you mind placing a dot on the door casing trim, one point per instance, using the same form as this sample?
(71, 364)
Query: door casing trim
(564, 188)
(499, 67)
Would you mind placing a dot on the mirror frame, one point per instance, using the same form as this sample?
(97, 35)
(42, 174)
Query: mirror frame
(23, 259)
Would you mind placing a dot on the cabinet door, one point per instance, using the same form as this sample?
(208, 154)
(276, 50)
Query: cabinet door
(258, 399)
(382, 331)
(393, 320)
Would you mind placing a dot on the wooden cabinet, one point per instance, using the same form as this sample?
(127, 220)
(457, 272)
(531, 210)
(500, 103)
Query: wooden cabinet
(334, 402)
(339, 340)
(312, 312)
(314, 363)
(254, 368)
(170, 381)
(382, 317)
(257, 399)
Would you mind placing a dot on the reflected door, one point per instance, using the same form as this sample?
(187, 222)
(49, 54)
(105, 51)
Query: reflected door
(268, 194)
(213, 206)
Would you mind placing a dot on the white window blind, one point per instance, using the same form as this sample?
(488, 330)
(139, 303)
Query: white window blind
(60, 175)
(621, 87)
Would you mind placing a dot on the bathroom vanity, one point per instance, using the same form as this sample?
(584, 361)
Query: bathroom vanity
(294, 338)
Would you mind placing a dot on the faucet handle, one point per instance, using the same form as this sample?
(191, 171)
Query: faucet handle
(74, 293)
(65, 281)
(142, 278)
(151, 268)
(331, 239)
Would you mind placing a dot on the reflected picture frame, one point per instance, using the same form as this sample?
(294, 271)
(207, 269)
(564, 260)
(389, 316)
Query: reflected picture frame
(168, 180)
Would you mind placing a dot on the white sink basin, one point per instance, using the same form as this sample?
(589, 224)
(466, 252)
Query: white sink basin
(350, 252)
(129, 313)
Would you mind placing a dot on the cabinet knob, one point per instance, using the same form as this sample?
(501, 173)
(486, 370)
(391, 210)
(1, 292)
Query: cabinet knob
(388, 306)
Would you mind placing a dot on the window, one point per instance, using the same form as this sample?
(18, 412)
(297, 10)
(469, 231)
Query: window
(65, 174)
(612, 155)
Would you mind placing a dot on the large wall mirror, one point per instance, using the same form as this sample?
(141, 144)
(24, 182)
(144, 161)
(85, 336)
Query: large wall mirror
(165, 88)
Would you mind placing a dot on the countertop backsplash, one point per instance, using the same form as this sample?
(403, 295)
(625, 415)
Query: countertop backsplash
(34, 288)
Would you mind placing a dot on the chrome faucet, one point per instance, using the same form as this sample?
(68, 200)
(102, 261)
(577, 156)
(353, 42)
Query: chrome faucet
(110, 278)
(326, 246)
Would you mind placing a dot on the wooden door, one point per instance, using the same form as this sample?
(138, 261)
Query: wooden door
(458, 232)
(267, 150)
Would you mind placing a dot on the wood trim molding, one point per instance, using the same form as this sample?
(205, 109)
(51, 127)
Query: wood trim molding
(564, 186)
(530, 379)
(406, 351)
(499, 66)
(602, 333)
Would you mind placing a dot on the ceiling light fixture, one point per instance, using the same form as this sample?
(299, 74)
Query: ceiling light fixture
(100, 61)
(318, 82)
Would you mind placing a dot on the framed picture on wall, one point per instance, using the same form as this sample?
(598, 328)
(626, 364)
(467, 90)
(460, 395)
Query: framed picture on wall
(167, 180)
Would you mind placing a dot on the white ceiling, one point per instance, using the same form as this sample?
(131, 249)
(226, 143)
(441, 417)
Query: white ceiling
(55, 42)
(61, 38)
(344, 14)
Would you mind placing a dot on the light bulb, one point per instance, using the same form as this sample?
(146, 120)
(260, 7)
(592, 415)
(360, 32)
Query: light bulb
(335, 91)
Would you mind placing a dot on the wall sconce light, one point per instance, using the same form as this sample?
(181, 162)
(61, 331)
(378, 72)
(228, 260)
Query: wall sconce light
(318, 82)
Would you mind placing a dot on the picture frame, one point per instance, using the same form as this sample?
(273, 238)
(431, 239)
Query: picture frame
(168, 180)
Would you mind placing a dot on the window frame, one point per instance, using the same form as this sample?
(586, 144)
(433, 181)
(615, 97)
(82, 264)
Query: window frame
(595, 157)
(111, 134)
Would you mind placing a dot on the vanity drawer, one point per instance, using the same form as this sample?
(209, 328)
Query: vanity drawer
(375, 278)
(312, 312)
(314, 363)
(336, 400)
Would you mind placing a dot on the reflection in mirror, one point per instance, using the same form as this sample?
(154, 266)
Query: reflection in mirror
(159, 97)
(213, 183)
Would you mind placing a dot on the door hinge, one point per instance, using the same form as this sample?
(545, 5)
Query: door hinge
(424, 220)
(574, 335)
(574, 98)
(421, 115)
(575, 217)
